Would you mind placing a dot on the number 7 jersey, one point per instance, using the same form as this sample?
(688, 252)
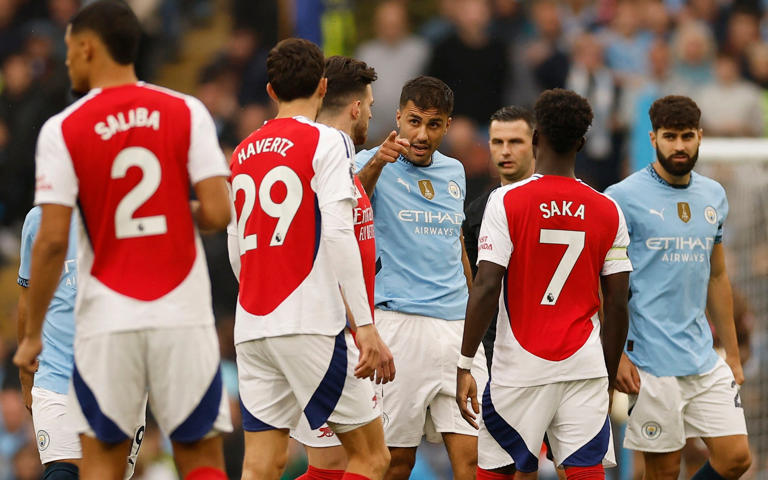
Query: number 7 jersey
(125, 156)
(283, 175)
(555, 236)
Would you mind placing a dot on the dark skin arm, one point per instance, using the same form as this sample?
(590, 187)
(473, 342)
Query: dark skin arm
(481, 307)
(614, 332)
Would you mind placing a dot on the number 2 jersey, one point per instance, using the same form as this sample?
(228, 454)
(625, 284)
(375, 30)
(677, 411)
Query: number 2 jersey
(286, 177)
(555, 236)
(125, 157)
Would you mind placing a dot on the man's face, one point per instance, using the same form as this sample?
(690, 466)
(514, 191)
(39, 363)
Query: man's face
(360, 128)
(425, 130)
(511, 149)
(677, 150)
(77, 62)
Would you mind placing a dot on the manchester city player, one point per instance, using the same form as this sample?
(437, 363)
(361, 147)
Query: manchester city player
(417, 196)
(679, 387)
(46, 394)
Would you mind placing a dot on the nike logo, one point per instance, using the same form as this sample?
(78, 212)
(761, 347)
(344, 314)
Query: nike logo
(656, 212)
(402, 182)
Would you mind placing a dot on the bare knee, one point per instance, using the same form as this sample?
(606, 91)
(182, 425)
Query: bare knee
(465, 468)
(267, 470)
(662, 466)
(401, 463)
(736, 465)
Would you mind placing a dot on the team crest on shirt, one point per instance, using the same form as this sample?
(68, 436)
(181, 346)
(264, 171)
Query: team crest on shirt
(426, 189)
(684, 211)
(651, 430)
(454, 190)
(43, 440)
(711, 215)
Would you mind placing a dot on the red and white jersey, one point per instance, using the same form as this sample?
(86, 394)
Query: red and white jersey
(555, 236)
(283, 174)
(366, 238)
(125, 156)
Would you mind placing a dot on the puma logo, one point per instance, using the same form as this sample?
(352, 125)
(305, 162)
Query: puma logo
(656, 212)
(402, 182)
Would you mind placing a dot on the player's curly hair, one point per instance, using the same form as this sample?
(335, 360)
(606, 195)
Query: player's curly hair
(294, 68)
(675, 112)
(563, 117)
(347, 79)
(427, 93)
(116, 26)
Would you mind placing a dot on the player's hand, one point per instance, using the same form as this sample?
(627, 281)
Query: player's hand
(466, 389)
(27, 380)
(369, 343)
(26, 355)
(734, 362)
(627, 377)
(386, 371)
(392, 148)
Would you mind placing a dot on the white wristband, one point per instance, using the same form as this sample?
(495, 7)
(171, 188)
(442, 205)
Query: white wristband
(465, 363)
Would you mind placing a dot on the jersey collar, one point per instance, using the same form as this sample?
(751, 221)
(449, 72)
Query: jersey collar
(655, 175)
(409, 163)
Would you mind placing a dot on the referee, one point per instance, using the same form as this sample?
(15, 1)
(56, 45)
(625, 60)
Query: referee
(510, 142)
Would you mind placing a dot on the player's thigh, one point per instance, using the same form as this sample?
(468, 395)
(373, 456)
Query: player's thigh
(580, 432)
(186, 393)
(662, 465)
(729, 455)
(108, 388)
(714, 408)
(417, 355)
(655, 421)
(56, 435)
(266, 454)
(323, 447)
(515, 418)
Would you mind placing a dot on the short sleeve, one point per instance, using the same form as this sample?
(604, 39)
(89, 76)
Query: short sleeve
(494, 243)
(333, 166)
(55, 177)
(616, 260)
(205, 156)
(362, 157)
(28, 233)
(722, 214)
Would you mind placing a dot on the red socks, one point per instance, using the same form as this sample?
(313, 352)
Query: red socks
(354, 476)
(595, 472)
(206, 473)
(489, 475)
(314, 473)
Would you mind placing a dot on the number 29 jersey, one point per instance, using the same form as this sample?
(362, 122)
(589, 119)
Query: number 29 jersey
(555, 236)
(283, 175)
(125, 156)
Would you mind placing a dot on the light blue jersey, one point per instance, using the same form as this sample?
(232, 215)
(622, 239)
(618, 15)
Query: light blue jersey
(418, 213)
(672, 231)
(56, 358)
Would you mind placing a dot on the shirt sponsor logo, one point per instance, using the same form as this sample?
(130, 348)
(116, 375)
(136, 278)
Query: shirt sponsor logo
(688, 245)
(684, 211)
(425, 186)
(711, 215)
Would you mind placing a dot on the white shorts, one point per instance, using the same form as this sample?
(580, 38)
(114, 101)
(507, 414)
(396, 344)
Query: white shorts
(281, 377)
(422, 399)
(57, 438)
(670, 409)
(179, 367)
(573, 415)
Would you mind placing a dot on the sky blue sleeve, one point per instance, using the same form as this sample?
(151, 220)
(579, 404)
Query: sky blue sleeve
(362, 158)
(722, 214)
(28, 233)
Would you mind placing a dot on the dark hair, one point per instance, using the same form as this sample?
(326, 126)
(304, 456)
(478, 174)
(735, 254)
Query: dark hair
(675, 112)
(513, 113)
(347, 77)
(294, 68)
(427, 93)
(563, 117)
(116, 26)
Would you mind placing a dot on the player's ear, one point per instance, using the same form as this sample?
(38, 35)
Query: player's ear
(322, 87)
(448, 123)
(535, 138)
(652, 136)
(271, 92)
(355, 112)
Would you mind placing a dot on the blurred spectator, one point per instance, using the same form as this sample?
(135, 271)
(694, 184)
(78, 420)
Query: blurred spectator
(465, 144)
(397, 57)
(656, 18)
(637, 101)
(578, 16)
(441, 25)
(328, 23)
(730, 106)
(599, 161)
(547, 53)
(742, 32)
(15, 421)
(712, 13)
(10, 36)
(693, 49)
(508, 20)
(26, 463)
(758, 73)
(626, 45)
(472, 63)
